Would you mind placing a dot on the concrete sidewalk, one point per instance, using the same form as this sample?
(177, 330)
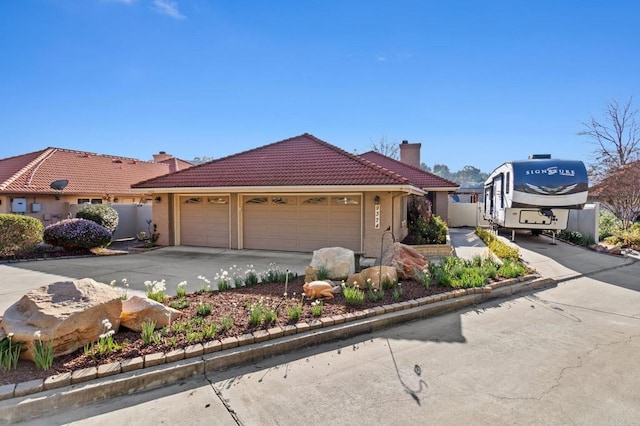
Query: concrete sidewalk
(466, 244)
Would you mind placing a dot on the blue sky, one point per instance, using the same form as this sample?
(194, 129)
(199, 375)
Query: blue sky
(476, 82)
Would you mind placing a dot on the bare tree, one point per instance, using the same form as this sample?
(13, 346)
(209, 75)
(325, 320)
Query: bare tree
(617, 138)
(620, 193)
(385, 147)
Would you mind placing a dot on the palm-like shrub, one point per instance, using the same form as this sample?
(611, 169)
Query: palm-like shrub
(18, 232)
(101, 214)
(72, 234)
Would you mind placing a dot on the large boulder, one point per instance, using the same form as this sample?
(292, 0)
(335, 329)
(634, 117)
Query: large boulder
(71, 313)
(338, 261)
(405, 259)
(370, 277)
(137, 310)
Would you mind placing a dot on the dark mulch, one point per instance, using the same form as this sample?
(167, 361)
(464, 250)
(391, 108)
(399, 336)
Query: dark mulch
(44, 251)
(231, 304)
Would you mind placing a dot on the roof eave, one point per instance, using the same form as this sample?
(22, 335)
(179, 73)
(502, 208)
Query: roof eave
(441, 188)
(409, 189)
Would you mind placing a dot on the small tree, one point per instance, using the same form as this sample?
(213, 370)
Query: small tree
(387, 148)
(616, 137)
(620, 193)
(424, 227)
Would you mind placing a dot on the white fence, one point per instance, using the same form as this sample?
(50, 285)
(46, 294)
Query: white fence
(585, 221)
(132, 218)
(466, 214)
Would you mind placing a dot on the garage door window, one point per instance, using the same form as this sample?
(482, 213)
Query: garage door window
(284, 201)
(341, 201)
(193, 200)
(257, 200)
(315, 201)
(217, 200)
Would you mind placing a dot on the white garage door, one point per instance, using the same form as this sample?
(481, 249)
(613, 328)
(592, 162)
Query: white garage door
(302, 223)
(204, 221)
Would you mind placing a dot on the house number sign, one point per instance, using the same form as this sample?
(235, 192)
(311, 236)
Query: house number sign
(377, 217)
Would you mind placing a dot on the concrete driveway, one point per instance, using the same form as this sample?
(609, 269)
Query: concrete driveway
(173, 264)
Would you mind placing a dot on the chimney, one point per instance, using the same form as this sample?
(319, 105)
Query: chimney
(410, 153)
(161, 156)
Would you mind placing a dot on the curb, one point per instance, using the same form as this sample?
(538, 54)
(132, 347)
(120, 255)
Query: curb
(24, 401)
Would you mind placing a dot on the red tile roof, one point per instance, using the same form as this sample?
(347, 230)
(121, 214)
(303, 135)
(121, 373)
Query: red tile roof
(87, 173)
(418, 177)
(299, 161)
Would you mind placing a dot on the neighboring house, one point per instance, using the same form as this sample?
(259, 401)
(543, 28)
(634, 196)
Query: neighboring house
(26, 181)
(299, 194)
(435, 187)
(469, 192)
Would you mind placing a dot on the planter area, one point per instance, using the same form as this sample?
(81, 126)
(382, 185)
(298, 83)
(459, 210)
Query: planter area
(229, 351)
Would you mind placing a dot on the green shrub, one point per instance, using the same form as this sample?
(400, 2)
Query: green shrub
(471, 277)
(511, 269)
(431, 231)
(504, 251)
(576, 238)
(424, 228)
(609, 225)
(101, 214)
(435, 232)
(18, 232)
(72, 234)
(626, 238)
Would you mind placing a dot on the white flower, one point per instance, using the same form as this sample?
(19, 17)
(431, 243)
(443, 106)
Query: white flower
(107, 334)
(37, 334)
(107, 324)
(112, 283)
(182, 284)
(124, 281)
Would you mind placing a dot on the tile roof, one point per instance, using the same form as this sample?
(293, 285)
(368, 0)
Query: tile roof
(418, 177)
(302, 160)
(87, 173)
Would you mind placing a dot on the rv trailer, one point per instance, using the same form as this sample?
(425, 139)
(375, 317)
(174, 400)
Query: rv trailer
(535, 194)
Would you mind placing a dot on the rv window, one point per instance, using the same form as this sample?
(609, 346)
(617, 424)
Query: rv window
(507, 183)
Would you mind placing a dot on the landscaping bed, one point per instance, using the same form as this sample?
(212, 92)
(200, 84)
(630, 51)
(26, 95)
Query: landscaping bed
(232, 304)
(251, 307)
